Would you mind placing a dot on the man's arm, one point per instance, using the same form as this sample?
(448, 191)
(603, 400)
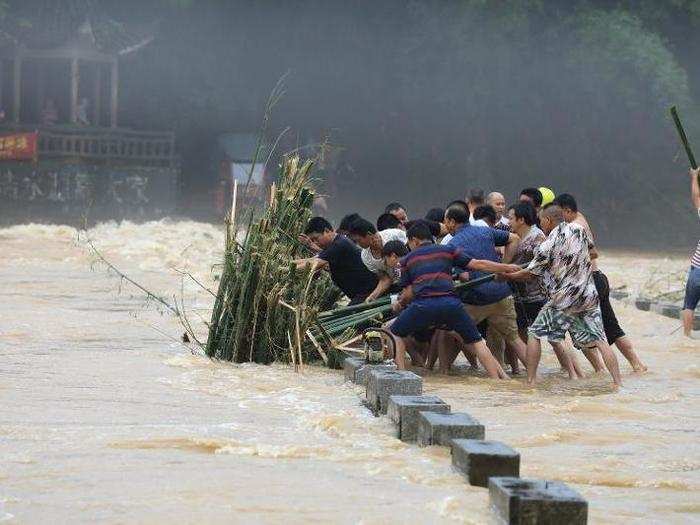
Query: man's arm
(315, 263)
(482, 265)
(382, 286)
(695, 187)
(520, 275)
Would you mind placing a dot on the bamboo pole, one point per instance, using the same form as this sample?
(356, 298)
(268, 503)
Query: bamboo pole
(684, 138)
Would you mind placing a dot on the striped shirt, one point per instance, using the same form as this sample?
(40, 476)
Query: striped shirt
(428, 269)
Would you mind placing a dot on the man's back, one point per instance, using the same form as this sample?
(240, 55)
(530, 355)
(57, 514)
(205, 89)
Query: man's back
(565, 266)
(480, 243)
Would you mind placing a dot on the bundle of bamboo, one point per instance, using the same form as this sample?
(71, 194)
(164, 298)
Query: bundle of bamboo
(265, 306)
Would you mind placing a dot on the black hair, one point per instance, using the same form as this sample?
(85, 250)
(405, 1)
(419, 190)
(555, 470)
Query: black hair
(459, 203)
(486, 212)
(362, 227)
(534, 194)
(386, 221)
(566, 201)
(419, 231)
(526, 211)
(318, 225)
(435, 215)
(457, 214)
(347, 221)
(393, 206)
(394, 248)
(476, 196)
(433, 226)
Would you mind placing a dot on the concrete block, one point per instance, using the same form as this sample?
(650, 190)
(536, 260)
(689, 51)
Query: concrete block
(441, 429)
(481, 460)
(533, 501)
(672, 310)
(403, 410)
(643, 304)
(357, 369)
(619, 294)
(384, 383)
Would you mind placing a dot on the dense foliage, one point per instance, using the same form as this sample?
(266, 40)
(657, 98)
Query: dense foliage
(430, 97)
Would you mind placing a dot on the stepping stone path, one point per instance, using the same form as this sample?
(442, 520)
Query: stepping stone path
(535, 501)
(357, 369)
(441, 429)
(382, 384)
(404, 410)
(480, 460)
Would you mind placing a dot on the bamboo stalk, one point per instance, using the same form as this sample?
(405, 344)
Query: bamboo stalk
(684, 138)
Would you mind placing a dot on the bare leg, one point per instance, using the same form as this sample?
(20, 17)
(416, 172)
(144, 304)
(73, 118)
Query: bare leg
(411, 346)
(534, 352)
(564, 358)
(574, 362)
(496, 344)
(433, 350)
(687, 317)
(594, 358)
(512, 358)
(493, 368)
(400, 357)
(624, 345)
(610, 361)
(520, 349)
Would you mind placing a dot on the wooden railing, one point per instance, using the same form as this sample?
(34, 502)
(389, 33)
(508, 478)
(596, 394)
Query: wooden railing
(102, 144)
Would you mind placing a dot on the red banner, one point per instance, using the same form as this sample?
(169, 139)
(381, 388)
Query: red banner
(20, 146)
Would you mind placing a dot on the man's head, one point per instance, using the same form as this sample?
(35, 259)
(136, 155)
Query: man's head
(533, 195)
(346, 221)
(568, 205)
(397, 210)
(418, 234)
(435, 215)
(392, 252)
(362, 232)
(456, 216)
(387, 221)
(522, 215)
(551, 216)
(475, 198)
(320, 231)
(498, 202)
(487, 214)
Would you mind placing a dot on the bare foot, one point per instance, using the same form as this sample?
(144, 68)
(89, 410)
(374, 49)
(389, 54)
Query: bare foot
(639, 367)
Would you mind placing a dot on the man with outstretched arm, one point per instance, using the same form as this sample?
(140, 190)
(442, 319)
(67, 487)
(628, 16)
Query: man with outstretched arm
(692, 285)
(429, 297)
(564, 264)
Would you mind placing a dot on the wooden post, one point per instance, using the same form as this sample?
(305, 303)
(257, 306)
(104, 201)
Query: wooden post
(97, 95)
(16, 92)
(74, 83)
(114, 93)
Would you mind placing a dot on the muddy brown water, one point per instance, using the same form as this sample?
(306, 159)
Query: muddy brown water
(104, 419)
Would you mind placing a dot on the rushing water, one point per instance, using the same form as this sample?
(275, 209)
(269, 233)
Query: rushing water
(105, 419)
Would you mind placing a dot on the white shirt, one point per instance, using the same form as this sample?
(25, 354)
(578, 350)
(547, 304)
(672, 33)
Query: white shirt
(377, 265)
(446, 239)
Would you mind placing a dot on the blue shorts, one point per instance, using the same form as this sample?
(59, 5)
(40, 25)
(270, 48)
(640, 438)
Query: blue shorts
(443, 312)
(692, 289)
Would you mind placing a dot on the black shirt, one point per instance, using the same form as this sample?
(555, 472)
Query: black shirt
(348, 271)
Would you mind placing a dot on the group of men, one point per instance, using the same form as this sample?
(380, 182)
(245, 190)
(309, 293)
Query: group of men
(535, 265)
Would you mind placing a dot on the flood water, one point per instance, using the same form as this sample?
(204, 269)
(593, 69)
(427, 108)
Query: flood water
(105, 419)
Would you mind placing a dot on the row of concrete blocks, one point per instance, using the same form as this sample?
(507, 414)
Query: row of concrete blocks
(647, 305)
(428, 420)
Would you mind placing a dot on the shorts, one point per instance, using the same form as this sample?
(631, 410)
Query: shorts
(586, 328)
(500, 315)
(613, 332)
(692, 289)
(443, 312)
(526, 313)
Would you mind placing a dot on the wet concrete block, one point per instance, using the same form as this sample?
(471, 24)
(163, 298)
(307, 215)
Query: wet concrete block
(672, 310)
(441, 429)
(643, 304)
(619, 294)
(357, 369)
(403, 410)
(381, 384)
(480, 460)
(534, 501)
